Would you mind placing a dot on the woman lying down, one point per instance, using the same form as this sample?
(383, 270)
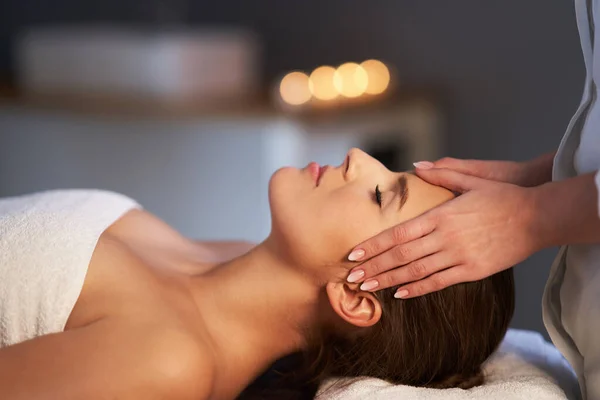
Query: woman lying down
(99, 299)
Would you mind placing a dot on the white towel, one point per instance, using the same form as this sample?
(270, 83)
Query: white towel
(46, 244)
(526, 367)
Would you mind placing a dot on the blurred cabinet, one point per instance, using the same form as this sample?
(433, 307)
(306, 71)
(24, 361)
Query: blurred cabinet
(206, 174)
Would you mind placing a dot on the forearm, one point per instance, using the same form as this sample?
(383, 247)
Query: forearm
(538, 170)
(566, 212)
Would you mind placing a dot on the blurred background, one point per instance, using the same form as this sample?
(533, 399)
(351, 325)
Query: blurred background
(189, 106)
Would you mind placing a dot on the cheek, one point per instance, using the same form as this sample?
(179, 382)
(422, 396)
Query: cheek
(317, 230)
(341, 227)
(353, 223)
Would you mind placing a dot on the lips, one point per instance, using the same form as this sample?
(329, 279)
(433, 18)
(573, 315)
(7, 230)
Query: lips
(316, 171)
(321, 173)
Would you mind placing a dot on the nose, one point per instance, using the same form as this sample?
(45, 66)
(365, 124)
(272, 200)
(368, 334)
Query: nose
(357, 154)
(361, 161)
(355, 150)
(356, 158)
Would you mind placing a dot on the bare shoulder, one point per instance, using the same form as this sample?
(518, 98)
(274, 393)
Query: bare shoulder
(143, 225)
(111, 358)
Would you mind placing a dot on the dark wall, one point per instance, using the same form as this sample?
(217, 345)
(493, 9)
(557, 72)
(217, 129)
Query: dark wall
(512, 68)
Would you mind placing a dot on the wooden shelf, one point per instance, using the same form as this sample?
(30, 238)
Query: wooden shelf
(103, 106)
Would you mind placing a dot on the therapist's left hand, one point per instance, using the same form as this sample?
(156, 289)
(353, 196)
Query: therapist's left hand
(487, 229)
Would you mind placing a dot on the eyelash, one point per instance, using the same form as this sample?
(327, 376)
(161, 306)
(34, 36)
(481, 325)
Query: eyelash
(378, 195)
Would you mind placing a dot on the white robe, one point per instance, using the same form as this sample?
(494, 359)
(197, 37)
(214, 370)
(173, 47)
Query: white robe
(571, 303)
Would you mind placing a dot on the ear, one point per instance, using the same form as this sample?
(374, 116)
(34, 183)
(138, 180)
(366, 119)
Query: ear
(353, 305)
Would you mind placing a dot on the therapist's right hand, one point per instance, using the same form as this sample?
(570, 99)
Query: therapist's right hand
(488, 228)
(529, 173)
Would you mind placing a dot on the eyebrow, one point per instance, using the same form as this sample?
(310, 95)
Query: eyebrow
(403, 191)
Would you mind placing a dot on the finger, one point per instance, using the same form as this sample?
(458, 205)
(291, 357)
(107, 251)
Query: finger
(455, 164)
(467, 167)
(395, 257)
(438, 281)
(402, 233)
(451, 180)
(414, 271)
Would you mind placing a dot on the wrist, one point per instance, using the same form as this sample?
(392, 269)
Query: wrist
(537, 171)
(540, 217)
(534, 217)
(564, 212)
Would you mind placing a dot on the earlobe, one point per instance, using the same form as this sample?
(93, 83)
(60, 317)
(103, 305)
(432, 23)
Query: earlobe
(353, 305)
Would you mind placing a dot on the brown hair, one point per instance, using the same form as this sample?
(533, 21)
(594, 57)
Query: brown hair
(439, 340)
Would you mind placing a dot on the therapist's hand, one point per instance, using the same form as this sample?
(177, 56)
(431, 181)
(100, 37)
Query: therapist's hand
(483, 231)
(525, 173)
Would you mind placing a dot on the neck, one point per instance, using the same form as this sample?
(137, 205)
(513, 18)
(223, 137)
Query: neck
(256, 309)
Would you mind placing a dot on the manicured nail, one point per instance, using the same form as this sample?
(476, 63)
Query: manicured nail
(423, 165)
(356, 275)
(356, 255)
(369, 285)
(401, 294)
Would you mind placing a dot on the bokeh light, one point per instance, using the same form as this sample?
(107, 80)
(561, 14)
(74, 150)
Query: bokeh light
(378, 76)
(294, 88)
(350, 80)
(321, 83)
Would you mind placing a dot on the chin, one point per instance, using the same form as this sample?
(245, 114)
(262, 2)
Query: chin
(284, 185)
(283, 190)
(285, 202)
(283, 173)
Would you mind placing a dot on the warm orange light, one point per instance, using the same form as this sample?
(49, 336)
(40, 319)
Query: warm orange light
(321, 83)
(379, 76)
(294, 88)
(350, 80)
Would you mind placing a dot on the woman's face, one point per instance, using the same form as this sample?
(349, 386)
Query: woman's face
(319, 214)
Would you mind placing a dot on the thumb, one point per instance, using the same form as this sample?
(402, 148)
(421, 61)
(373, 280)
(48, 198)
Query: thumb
(469, 167)
(455, 164)
(451, 180)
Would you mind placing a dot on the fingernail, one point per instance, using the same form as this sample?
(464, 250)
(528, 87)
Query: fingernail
(369, 285)
(401, 294)
(356, 275)
(423, 164)
(356, 255)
